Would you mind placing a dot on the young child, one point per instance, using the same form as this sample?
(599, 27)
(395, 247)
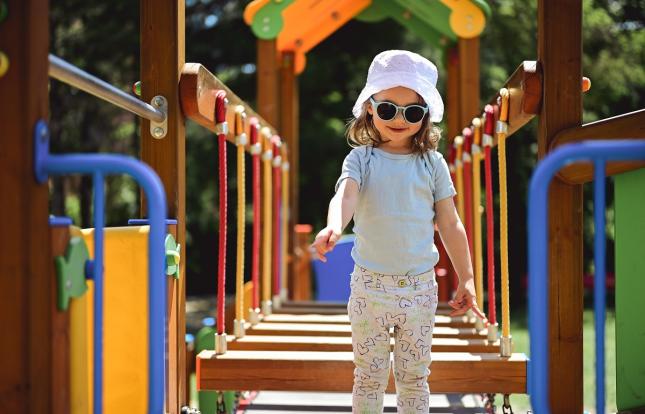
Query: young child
(396, 185)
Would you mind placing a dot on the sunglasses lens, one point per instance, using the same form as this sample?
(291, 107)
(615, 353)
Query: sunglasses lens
(414, 114)
(386, 111)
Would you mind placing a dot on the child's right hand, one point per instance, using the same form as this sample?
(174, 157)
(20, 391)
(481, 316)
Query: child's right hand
(324, 242)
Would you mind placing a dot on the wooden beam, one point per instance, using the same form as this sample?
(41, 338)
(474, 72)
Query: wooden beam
(560, 55)
(625, 126)
(468, 80)
(162, 30)
(525, 87)
(343, 319)
(344, 344)
(290, 129)
(333, 371)
(268, 90)
(197, 88)
(301, 329)
(27, 278)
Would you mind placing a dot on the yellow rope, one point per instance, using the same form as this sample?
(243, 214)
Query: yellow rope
(503, 211)
(285, 218)
(479, 264)
(459, 166)
(241, 141)
(267, 157)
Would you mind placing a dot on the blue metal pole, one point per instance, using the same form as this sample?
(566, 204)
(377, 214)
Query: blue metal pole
(99, 218)
(103, 164)
(614, 150)
(599, 280)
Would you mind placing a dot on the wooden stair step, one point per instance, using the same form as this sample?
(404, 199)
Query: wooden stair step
(313, 318)
(344, 344)
(301, 329)
(333, 371)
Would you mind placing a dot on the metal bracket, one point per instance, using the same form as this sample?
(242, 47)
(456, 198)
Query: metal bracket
(159, 130)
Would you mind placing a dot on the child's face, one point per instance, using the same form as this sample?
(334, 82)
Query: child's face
(397, 131)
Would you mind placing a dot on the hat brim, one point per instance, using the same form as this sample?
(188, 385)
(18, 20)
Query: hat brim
(429, 93)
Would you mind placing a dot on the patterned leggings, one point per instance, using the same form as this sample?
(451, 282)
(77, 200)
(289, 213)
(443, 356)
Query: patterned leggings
(377, 303)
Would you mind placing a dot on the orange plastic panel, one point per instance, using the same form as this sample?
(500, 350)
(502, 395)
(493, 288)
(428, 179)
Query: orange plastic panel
(309, 22)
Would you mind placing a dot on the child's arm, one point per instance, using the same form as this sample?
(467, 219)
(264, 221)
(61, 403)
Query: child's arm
(341, 210)
(453, 235)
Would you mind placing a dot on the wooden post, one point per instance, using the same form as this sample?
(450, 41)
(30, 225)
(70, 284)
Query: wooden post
(162, 58)
(27, 278)
(268, 82)
(468, 81)
(559, 53)
(290, 134)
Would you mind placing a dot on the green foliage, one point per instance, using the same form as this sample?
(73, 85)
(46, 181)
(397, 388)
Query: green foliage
(103, 38)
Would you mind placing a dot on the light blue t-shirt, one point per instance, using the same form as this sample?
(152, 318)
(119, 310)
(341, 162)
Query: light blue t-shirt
(393, 221)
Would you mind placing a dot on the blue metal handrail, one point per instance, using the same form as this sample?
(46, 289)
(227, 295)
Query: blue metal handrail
(100, 165)
(598, 152)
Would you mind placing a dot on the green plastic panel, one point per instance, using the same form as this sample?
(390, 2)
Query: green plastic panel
(433, 13)
(268, 21)
(630, 286)
(382, 9)
(70, 272)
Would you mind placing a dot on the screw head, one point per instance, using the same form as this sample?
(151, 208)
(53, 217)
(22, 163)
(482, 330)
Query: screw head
(157, 132)
(158, 101)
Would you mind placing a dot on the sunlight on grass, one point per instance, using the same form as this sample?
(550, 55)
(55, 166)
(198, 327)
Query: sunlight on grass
(519, 331)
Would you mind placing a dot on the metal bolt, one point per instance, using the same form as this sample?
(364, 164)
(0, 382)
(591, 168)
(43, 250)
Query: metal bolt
(158, 132)
(68, 284)
(43, 134)
(158, 101)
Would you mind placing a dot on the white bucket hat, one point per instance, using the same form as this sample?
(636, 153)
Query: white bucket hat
(402, 68)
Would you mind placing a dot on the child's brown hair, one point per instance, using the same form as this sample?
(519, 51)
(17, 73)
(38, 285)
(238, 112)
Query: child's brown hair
(361, 131)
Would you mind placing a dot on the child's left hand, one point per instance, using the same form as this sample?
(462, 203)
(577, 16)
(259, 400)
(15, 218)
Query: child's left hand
(465, 299)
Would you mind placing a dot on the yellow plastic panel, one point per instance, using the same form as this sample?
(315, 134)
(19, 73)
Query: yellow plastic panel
(466, 20)
(125, 331)
(309, 22)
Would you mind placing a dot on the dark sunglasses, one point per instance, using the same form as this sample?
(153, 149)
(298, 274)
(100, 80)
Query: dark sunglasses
(386, 111)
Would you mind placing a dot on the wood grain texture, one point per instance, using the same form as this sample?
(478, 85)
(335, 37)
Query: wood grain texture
(162, 28)
(197, 88)
(26, 363)
(344, 344)
(290, 132)
(268, 80)
(560, 55)
(333, 371)
(625, 126)
(296, 329)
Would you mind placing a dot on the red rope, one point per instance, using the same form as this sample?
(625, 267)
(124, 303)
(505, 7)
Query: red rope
(220, 120)
(255, 272)
(468, 187)
(490, 222)
(277, 181)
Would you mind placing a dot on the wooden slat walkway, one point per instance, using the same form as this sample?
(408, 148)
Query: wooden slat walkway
(344, 344)
(343, 318)
(298, 402)
(297, 329)
(333, 371)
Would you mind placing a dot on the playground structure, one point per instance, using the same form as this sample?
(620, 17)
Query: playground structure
(39, 366)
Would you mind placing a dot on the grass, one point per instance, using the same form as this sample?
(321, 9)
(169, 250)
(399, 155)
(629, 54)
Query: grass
(519, 332)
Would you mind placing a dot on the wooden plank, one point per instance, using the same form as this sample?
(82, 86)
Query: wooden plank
(560, 55)
(625, 126)
(268, 89)
(296, 329)
(312, 318)
(344, 344)
(197, 88)
(162, 30)
(61, 381)
(26, 379)
(290, 130)
(525, 88)
(333, 371)
(468, 79)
